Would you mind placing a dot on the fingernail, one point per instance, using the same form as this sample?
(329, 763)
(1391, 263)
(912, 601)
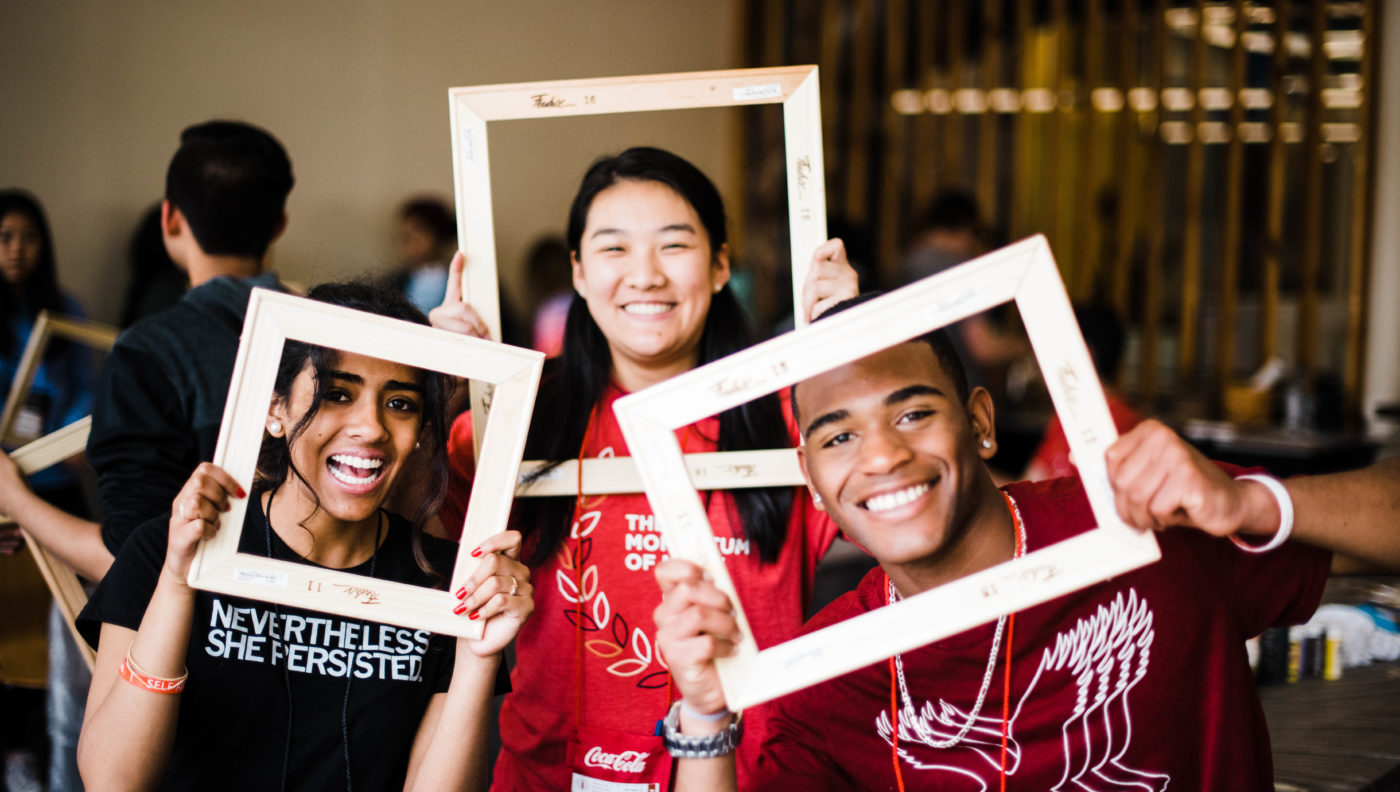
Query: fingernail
(476, 553)
(474, 615)
(460, 609)
(460, 593)
(241, 493)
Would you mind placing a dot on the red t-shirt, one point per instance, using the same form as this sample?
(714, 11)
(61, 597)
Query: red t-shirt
(1138, 682)
(624, 681)
(1051, 459)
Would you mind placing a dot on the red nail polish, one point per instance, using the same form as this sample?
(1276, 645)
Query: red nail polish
(474, 615)
(241, 493)
(460, 609)
(476, 553)
(460, 593)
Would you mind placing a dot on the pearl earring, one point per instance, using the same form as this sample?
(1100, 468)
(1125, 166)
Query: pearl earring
(986, 443)
(816, 499)
(275, 426)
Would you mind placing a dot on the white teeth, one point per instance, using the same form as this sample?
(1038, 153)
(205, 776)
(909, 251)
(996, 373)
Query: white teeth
(894, 500)
(647, 309)
(357, 462)
(343, 463)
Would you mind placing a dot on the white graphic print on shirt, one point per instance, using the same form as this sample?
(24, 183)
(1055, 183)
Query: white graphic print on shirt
(1106, 655)
(320, 645)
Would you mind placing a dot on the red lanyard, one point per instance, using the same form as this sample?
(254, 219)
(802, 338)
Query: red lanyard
(1006, 682)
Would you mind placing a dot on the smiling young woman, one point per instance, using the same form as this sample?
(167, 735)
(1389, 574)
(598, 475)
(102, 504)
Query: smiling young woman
(650, 266)
(230, 692)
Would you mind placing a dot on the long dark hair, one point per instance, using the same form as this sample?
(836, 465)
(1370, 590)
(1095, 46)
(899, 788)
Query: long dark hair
(39, 292)
(578, 379)
(274, 459)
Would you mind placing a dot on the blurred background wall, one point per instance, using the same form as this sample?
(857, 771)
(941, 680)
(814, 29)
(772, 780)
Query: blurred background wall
(93, 96)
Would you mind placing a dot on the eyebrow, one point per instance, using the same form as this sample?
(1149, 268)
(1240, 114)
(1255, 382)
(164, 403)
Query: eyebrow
(903, 394)
(356, 379)
(672, 227)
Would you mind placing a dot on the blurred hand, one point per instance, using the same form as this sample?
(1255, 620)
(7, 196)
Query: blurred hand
(11, 540)
(694, 625)
(454, 314)
(830, 279)
(1161, 481)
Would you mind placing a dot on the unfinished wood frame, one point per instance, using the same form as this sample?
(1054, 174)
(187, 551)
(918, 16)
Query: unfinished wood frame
(472, 108)
(274, 318)
(1024, 273)
(47, 327)
(67, 590)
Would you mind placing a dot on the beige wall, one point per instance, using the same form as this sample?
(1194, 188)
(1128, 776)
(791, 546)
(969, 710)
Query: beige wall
(93, 96)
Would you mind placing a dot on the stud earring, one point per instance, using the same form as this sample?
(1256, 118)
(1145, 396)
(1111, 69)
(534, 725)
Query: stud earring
(274, 426)
(986, 443)
(816, 499)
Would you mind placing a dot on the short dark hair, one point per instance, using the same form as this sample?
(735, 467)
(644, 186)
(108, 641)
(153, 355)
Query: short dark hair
(230, 180)
(433, 214)
(937, 340)
(951, 209)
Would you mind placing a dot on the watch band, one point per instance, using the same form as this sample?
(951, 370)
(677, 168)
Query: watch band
(709, 746)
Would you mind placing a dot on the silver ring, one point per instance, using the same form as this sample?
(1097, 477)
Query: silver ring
(514, 587)
(183, 510)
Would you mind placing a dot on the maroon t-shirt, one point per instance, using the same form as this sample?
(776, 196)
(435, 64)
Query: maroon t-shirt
(1140, 682)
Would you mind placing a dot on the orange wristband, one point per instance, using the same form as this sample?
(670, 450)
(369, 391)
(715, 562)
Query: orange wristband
(131, 673)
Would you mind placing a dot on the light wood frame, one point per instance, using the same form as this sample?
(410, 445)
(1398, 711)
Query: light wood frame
(1025, 273)
(471, 110)
(272, 319)
(48, 326)
(67, 590)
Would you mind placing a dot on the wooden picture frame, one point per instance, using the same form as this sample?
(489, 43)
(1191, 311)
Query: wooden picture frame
(67, 590)
(473, 108)
(48, 326)
(272, 319)
(1024, 273)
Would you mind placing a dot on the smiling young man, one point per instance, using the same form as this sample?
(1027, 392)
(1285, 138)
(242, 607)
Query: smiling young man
(1137, 682)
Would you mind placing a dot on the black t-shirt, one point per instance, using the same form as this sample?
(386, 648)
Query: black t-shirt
(260, 673)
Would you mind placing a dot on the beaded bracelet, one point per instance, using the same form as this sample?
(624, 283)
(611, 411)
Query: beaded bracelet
(134, 674)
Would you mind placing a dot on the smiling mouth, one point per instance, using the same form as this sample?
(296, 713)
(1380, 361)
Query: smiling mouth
(893, 500)
(355, 472)
(648, 308)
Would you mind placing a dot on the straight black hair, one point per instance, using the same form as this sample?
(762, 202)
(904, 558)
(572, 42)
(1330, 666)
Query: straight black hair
(230, 180)
(577, 381)
(39, 292)
(274, 459)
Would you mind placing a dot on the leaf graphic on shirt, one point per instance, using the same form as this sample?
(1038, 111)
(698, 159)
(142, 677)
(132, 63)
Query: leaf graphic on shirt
(567, 587)
(656, 679)
(584, 621)
(601, 609)
(641, 645)
(619, 630)
(626, 668)
(588, 521)
(590, 583)
(603, 647)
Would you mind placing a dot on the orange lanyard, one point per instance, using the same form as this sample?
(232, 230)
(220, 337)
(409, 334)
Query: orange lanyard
(1017, 529)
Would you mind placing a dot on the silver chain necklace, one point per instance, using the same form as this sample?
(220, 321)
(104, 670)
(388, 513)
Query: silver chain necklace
(907, 701)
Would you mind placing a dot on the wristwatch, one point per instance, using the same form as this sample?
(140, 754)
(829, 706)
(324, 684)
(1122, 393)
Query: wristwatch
(709, 746)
